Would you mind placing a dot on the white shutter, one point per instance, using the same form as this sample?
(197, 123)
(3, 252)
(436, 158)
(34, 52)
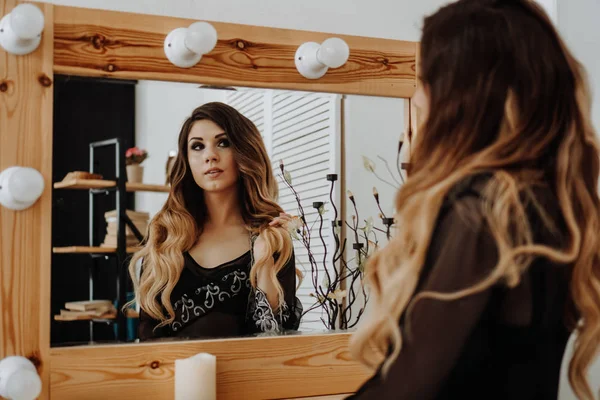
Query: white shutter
(251, 103)
(302, 129)
(306, 136)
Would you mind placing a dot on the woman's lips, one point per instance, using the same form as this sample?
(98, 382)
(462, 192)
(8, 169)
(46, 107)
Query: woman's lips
(213, 173)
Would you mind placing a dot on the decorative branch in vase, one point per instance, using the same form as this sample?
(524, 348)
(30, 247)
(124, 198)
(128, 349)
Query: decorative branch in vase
(134, 157)
(338, 281)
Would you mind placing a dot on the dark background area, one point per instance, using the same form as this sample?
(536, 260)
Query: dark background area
(85, 110)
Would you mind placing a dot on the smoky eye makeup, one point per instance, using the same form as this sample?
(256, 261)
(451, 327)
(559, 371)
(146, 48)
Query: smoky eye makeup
(221, 140)
(196, 145)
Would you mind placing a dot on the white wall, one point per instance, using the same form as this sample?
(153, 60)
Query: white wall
(160, 110)
(578, 23)
(551, 8)
(372, 126)
(395, 19)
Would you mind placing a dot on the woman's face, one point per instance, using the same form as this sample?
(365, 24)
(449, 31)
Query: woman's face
(210, 157)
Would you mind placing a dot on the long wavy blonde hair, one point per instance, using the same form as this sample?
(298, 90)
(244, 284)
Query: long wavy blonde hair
(177, 227)
(506, 97)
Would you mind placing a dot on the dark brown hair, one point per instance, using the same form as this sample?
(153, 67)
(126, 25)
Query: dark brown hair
(508, 98)
(178, 225)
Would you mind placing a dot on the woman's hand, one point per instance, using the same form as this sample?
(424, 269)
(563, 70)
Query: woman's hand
(283, 220)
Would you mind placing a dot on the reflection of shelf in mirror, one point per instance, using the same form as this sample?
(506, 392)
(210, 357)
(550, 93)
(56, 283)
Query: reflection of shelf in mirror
(145, 187)
(90, 250)
(86, 184)
(130, 314)
(85, 318)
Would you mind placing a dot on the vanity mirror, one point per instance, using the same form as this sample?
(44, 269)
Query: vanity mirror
(321, 145)
(125, 51)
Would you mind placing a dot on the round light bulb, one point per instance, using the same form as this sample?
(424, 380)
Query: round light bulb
(201, 38)
(20, 187)
(26, 185)
(334, 52)
(19, 379)
(27, 21)
(23, 385)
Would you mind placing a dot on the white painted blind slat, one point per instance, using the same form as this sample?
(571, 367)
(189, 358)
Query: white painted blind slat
(251, 103)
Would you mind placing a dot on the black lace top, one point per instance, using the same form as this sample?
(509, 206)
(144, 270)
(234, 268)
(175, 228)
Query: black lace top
(220, 302)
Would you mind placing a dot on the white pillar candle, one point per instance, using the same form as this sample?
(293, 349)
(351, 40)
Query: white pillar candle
(196, 378)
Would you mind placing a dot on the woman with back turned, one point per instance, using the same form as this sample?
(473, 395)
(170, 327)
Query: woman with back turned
(496, 258)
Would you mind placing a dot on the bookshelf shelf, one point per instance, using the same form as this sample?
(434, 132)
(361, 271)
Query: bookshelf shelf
(130, 314)
(84, 318)
(145, 187)
(90, 250)
(91, 184)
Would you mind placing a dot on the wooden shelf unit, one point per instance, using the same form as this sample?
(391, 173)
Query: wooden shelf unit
(87, 184)
(119, 253)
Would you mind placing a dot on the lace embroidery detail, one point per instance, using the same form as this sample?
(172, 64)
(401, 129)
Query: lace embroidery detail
(239, 278)
(263, 316)
(261, 313)
(186, 306)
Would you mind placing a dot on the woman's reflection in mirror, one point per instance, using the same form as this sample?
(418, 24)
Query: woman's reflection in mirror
(215, 262)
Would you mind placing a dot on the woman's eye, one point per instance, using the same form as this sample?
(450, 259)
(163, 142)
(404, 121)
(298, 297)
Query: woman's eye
(197, 146)
(224, 143)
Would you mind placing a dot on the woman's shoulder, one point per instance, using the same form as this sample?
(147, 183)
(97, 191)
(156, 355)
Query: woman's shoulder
(471, 186)
(468, 201)
(464, 201)
(476, 186)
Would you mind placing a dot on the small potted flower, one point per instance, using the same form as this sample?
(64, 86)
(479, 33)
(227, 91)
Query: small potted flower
(133, 158)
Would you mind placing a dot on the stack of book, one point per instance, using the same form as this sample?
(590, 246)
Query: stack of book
(85, 310)
(139, 219)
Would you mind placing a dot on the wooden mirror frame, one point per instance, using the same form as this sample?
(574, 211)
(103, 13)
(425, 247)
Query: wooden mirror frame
(111, 44)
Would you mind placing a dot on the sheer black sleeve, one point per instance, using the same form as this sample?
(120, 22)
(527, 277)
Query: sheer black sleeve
(262, 318)
(147, 324)
(146, 327)
(462, 253)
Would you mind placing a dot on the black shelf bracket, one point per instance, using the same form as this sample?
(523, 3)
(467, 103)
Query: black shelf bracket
(121, 253)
